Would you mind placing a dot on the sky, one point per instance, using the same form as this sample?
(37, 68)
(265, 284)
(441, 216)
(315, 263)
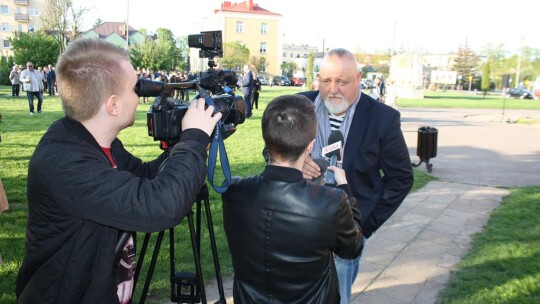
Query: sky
(432, 26)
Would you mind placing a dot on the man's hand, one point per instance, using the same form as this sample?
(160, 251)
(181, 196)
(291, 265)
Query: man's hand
(197, 117)
(310, 170)
(339, 175)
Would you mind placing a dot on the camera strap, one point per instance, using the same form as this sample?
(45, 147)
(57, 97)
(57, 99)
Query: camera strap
(217, 143)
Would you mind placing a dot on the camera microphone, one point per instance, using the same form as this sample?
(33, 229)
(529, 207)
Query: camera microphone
(333, 151)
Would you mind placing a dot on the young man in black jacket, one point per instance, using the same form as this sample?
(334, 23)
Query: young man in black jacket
(85, 188)
(283, 230)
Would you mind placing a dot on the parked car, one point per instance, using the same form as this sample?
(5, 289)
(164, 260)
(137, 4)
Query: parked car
(282, 81)
(298, 81)
(263, 80)
(366, 84)
(520, 93)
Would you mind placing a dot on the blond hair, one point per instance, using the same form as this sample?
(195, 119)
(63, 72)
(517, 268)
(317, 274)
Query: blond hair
(89, 71)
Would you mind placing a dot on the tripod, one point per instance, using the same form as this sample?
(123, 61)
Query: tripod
(186, 287)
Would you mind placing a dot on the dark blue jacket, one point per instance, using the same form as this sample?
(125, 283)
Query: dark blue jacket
(376, 161)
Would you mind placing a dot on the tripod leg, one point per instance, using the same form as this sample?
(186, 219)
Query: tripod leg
(151, 267)
(217, 267)
(196, 254)
(171, 258)
(142, 253)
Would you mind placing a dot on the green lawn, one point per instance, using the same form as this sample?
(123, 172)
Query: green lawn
(465, 99)
(504, 263)
(20, 133)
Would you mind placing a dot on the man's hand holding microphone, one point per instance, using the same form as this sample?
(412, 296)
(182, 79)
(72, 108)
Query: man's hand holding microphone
(314, 169)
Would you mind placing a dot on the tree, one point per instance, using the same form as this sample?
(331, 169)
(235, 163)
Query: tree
(287, 68)
(486, 71)
(97, 22)
(258, 63)
(235, 55)
(309, 70)
(465, 63)
(6, 63)
(38, 47)
(167, 44)
(183, 53)
(62, 20)
(149, 54)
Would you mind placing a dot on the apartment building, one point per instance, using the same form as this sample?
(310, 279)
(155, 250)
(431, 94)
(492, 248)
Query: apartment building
(18, 16)
(254, 27)
(299, 54)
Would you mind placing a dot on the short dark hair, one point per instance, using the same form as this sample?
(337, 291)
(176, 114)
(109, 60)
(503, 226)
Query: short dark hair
(289, 124)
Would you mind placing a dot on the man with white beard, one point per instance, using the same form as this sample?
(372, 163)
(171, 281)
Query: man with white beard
(375, 156)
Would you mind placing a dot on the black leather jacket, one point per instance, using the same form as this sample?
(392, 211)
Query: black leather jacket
(283, 232)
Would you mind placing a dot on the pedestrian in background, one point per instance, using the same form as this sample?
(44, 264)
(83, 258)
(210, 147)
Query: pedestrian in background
(33, 85)
(247, 89)
(256, 90)
(14, 77)
(377, 91)
(51, 80)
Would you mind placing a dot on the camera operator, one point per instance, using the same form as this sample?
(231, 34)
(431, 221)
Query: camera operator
(85, 188)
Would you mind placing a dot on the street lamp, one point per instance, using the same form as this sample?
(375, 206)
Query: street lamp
(127, 26)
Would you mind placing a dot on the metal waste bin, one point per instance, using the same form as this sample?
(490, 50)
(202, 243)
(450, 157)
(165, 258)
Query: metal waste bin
(427, 146)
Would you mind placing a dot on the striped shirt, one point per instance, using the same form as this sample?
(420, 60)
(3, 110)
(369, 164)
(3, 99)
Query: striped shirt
(335, 121)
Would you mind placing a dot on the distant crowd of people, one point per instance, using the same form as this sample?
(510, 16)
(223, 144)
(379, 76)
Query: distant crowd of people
(34, 82)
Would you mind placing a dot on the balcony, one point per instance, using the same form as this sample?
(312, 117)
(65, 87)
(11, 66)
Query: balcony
(22, 17)
(21, 2)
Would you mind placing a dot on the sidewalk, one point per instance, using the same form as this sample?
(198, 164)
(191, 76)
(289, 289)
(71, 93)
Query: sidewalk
(410, 258)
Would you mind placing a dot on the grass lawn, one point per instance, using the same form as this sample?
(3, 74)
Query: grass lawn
(20, 133)
(504, 263)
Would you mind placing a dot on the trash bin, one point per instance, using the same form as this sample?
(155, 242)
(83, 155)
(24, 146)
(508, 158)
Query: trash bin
(427, 146)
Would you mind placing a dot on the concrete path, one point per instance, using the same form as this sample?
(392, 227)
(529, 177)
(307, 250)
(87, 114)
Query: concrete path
(409, 259)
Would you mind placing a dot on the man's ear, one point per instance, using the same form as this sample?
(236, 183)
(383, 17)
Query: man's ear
(310, 146)
(112, 105)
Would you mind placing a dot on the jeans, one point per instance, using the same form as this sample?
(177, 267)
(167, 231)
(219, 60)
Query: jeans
(247, 101)
(51, 87)
(30, 96)
(15, 89)
(347, 270)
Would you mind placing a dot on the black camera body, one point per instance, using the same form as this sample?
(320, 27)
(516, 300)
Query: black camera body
(164, 118)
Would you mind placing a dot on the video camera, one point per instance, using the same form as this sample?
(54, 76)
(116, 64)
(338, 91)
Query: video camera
(164, 119)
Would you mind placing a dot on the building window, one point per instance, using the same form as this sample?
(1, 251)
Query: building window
(6, 44)
(263, 48)
(4, 10)
(32, 28)
(264, 28)
(5, 26)
(239, 26)
(33, 11)
(19, 27)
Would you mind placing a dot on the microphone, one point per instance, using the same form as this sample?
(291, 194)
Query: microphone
(333, 151)
(323, 164)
